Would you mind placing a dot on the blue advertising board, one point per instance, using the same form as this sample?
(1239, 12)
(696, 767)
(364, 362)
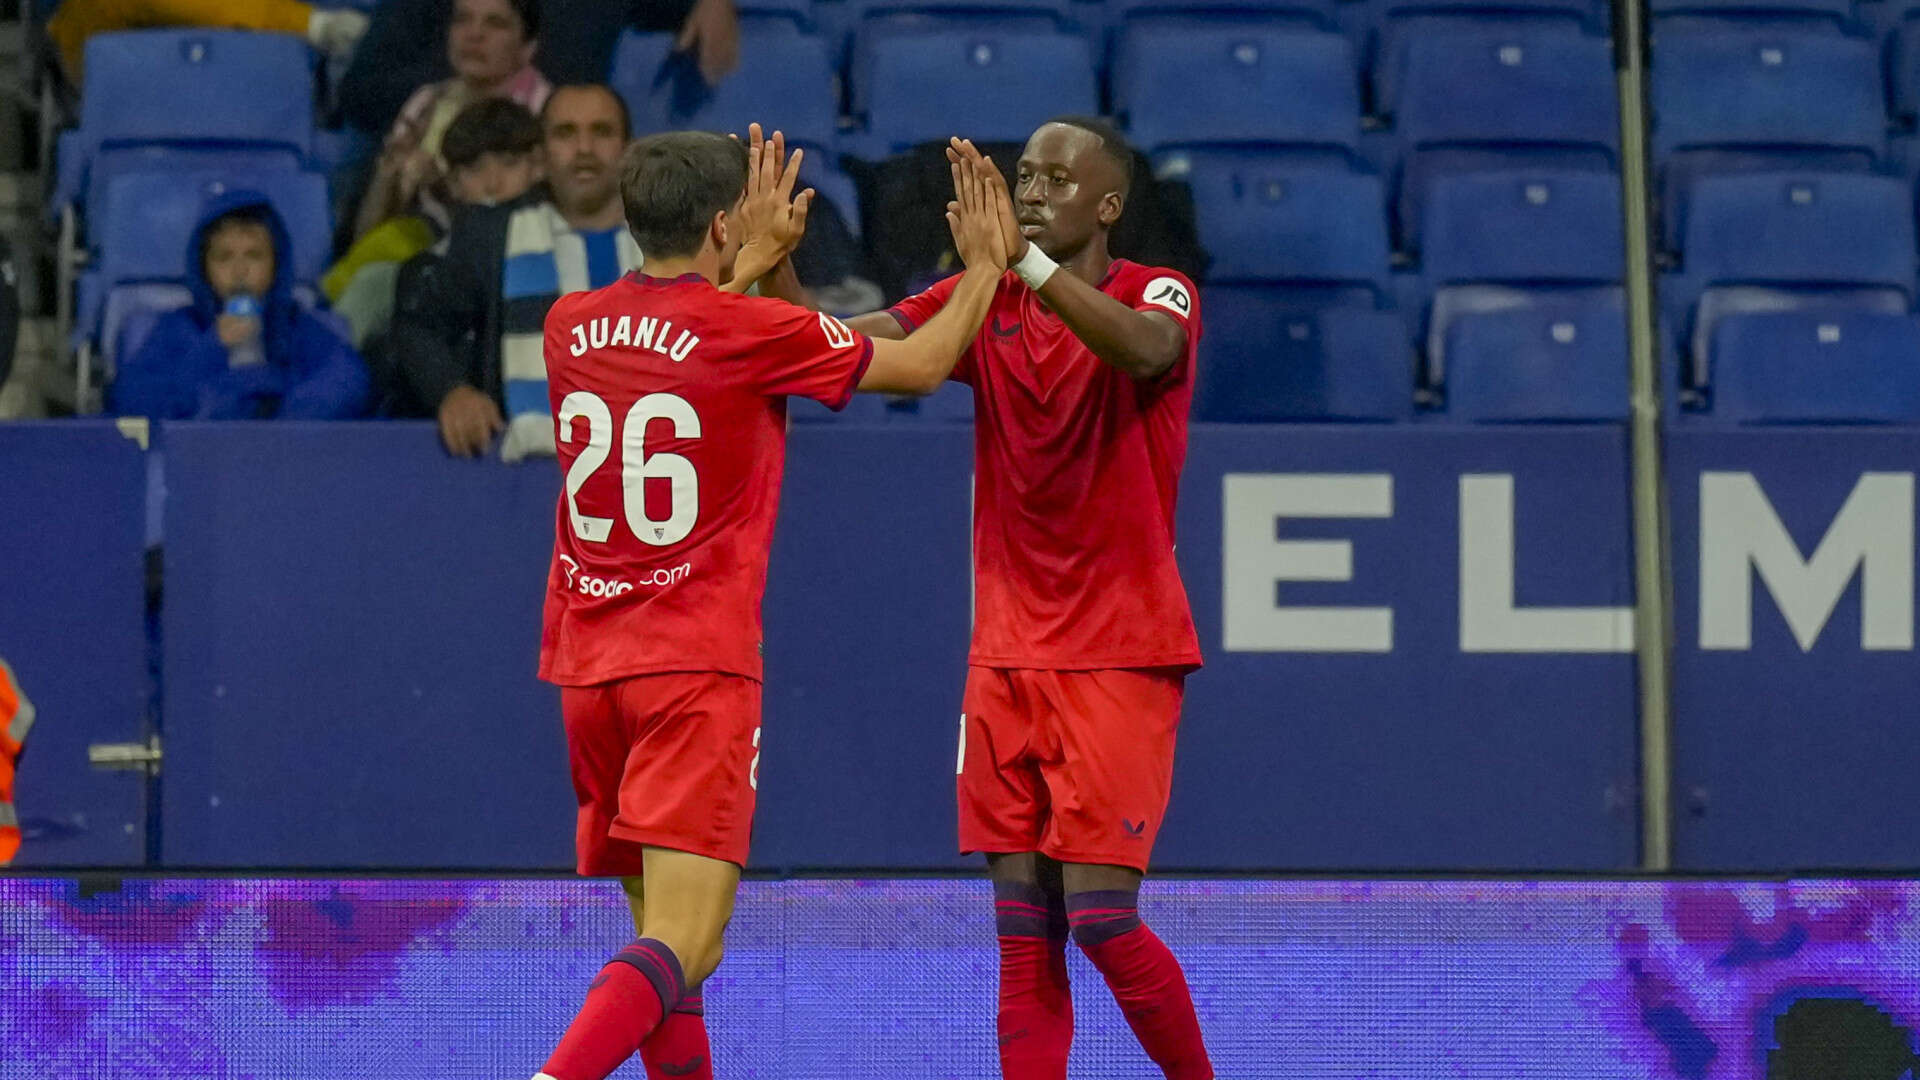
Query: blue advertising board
(72, 603)
(1796, 693)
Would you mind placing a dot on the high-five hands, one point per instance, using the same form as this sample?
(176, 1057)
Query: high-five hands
(979, 203)
(771, 211)
(963, 149)
(772, 218)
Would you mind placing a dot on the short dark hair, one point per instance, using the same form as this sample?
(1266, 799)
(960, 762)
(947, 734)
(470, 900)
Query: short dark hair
(674, 182)
(1117, 149)
(529, 14)
(259, 214)
(489, 126)
(626, 117)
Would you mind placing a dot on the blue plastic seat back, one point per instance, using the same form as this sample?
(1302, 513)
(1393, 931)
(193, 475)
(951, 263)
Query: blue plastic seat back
(992, 83)
(1265, 220)
(1562, 359)
(1450, 304)
(197, 86)
(1510, 85)
(1184, 82)
(148, 219)
(1817, 368)
(1524, 226)
(1264, 361)
(1767, 89)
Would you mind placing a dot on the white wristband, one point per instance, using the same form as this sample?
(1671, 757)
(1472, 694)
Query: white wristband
(1034, 267)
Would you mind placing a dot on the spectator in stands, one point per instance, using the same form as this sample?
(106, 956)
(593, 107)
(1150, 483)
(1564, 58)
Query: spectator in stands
(577, 38)
(466, 339)
(490, 46)
(245, 348)
(489, 156)
(332, 31)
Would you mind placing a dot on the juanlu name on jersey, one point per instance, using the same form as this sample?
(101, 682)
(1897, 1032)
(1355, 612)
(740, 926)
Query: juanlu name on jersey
(627, 332)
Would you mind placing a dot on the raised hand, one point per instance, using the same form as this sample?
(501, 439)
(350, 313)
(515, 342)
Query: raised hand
(772, 218)
(964, 150)
(974, 214)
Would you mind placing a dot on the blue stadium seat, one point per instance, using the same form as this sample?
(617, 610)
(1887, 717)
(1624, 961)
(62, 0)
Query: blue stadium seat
(1779, 91)
(1509, 85)
(1903, 68)
(1262, 360)
(756, 14)
(1194, 83)
(1398, 9)
(1523, 225)
(1826, 15)
(1503, 96)
(148, 219)
(1817, 368)
(130, 313)
(1770, 242)
(1061, 12)
(990, 82)
(1319, 232)
(1318, 14)
(1752, 100)
(110, 165)
(198, 85)
(1393, 32)
(785, 80)
(189, 91)
(1517, 240)
(1554, 359)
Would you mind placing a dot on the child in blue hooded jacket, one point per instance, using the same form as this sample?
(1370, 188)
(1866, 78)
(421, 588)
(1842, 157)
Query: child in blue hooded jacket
(245, 349)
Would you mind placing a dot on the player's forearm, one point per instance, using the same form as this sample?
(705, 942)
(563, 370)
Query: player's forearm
(924, 359)
(783, 283)
(1133, 341)
(951, 330)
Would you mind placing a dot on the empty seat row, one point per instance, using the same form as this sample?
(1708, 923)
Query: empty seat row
(1822, 244)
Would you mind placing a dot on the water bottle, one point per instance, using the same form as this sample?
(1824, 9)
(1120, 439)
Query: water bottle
(249, 352)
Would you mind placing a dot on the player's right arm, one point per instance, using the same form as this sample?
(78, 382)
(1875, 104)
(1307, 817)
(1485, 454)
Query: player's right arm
(919, 362)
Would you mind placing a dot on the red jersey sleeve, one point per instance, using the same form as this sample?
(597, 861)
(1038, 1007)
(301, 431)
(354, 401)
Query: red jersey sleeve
(913, 313)
(810, 354)
(1171, 293)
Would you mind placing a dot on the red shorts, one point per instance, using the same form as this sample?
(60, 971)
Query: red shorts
(1076, 765)
(667, 761)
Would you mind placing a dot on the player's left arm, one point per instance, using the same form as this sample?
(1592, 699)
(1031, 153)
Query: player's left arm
(1144, 344)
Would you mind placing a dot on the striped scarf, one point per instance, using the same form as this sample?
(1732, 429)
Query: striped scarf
(545, 260)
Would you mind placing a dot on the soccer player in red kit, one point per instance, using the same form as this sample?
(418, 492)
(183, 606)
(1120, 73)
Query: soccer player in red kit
(669, 396)
(1082, 637)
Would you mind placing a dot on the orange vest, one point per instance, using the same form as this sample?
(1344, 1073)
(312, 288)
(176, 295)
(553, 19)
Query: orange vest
(16, 716)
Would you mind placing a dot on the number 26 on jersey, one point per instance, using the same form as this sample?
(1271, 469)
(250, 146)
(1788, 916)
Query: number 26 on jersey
(636, 467)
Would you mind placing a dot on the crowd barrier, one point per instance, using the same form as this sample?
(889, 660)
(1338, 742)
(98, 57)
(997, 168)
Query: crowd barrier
(1419, 649)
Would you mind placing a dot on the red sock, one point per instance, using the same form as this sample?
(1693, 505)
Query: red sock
(1036, 1002)
(629, 999)
(677, 1049)
(1145, 980)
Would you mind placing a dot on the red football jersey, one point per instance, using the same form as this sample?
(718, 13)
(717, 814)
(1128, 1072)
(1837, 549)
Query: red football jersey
(1077, 466)
(669, 400)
